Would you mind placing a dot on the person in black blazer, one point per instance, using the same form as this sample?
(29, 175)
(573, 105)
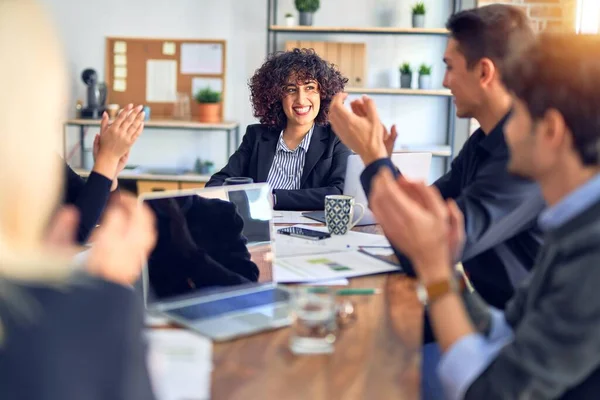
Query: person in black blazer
(293, 148)
(200, 244)
(111, 153)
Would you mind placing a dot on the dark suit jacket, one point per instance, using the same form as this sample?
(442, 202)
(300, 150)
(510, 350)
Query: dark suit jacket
(200, 244)
(324, 168)
(555, 317)
(500, 212)
(82, 341)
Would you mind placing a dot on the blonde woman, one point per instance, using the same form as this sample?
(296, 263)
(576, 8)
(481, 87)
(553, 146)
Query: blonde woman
(63, 335)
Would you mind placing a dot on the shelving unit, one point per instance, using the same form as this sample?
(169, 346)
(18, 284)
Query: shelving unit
(358, 30)
(446, 151)
(230, 128)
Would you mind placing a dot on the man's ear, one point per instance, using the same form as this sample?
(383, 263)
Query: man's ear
(487, 71)
(554, 129)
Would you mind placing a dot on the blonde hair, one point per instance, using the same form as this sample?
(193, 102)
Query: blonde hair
(33, 89)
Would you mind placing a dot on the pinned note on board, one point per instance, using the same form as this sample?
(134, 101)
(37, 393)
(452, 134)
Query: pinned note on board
(168, 48)
(120, 47)
(201, 58)
(120, 72)
(120, 60)
(119, 85)
(161, 81)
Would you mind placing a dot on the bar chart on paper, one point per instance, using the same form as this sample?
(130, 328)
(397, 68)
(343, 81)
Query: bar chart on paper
(328, 266)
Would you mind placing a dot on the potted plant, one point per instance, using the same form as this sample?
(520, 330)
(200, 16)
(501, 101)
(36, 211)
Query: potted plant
(209, 167)
(425, 76)
(307, 8)
(418, 15)
(405, 76)
(204, 167)
(209, 105)
(289, 19)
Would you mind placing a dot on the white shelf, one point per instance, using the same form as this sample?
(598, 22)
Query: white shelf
(153, 177)
(395, 91)
(359, 30)
(435, 150)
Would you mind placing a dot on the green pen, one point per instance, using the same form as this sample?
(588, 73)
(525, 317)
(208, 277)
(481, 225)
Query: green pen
(346, 292)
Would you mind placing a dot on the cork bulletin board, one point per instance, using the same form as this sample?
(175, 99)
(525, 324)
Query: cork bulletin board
(153, 71)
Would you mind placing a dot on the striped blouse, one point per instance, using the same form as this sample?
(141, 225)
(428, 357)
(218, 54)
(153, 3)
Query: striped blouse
(288, 165)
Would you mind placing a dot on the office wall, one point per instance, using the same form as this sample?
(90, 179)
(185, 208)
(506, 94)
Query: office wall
(84, 25)
(556, 15)
(545, 15)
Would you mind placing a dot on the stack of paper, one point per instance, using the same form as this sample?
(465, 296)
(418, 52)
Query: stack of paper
(334, 258)
(346, 264)
(180, 364)
(288, 246)
(292, 217)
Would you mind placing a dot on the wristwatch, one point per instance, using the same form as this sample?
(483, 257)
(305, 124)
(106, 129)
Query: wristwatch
(428, 294)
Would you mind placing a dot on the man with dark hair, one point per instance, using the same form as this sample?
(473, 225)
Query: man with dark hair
(500, 210)
(547, 342)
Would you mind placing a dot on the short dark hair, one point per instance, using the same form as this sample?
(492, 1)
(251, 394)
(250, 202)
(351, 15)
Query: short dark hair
(267, 86)
(486, 32)
(562, 72)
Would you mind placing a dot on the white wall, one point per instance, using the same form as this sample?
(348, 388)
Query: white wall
(84, 24)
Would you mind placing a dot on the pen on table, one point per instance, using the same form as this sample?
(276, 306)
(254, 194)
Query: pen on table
(346, 292)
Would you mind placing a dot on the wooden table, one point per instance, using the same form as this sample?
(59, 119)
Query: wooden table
(376, 357)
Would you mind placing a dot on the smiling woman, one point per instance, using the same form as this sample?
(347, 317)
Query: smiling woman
(293, 148)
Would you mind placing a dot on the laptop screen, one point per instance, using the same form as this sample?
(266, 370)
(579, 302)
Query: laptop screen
(209, 240)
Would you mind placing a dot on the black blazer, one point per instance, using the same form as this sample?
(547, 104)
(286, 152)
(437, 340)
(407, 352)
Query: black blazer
(324, 168)
(88, 196)
(200, 244)
(79, 341)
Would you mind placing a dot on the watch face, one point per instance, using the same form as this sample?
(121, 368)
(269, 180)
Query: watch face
(422, 294)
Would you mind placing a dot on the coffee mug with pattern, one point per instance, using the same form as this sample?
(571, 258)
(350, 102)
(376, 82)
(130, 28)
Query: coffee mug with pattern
(339, 213)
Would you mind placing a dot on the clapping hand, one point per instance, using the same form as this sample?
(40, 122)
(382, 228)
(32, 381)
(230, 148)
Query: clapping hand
(419, 222)
(125, 237)
(363, 134)
(389, 138)
(113, 144)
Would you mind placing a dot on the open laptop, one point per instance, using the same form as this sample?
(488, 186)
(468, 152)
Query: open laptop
(413, 166)
(212, 267)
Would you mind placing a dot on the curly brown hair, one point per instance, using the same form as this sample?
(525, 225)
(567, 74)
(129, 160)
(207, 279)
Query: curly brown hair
(267, 86)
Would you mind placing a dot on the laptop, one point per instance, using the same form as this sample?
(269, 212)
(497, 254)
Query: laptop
(413, 166)
(212, 267)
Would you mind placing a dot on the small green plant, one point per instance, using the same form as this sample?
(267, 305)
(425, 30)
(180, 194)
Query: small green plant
(425, 69)
(289, 15)
(405, 69)
(419, 8)
(207, 95)
(203, 167)
(309, 6)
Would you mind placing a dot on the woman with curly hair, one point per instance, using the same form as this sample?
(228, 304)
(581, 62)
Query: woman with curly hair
(293, 148)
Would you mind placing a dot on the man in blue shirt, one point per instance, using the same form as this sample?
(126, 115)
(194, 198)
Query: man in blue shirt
(547, 342)
(500, 210)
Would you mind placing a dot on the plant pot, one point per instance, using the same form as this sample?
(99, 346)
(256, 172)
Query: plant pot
(425, 82)
(209, 112)
(405, 81)
(306, 18)
(290, 21)
(418, 20)
(386, 15)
